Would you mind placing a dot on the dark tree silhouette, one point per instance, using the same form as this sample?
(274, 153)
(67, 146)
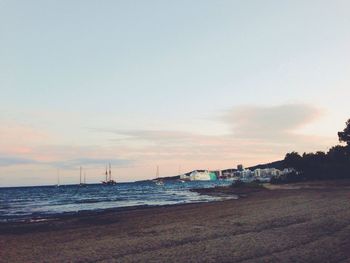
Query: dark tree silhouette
(335, 164)
(293, 159)
(344, 136)
(337, 154)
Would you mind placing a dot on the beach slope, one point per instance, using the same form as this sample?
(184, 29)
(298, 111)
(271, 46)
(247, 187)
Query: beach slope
(306, 222)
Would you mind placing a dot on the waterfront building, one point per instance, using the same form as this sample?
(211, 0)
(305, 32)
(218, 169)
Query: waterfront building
(202, 176)
(257, 172)
(246, 173)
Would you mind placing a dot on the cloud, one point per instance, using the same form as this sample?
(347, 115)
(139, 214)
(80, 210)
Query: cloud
(246, 123)
(10, 160)
(253, 134)
(168, 137)
(91, 162)
(65, 164)
(275, 123)
(256, 133)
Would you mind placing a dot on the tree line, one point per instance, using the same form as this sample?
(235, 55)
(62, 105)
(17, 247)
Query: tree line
(334, 164)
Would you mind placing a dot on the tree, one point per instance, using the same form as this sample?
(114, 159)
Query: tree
(293, 160)
(344, 136)
(337, 154)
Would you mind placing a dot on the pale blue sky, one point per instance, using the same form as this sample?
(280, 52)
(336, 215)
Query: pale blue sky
(85, 74)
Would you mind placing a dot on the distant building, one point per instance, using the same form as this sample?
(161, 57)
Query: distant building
(237, 174)
(267, 173)
(227, 173)
(287, 171)
(257, 172)
(246, 173)
(240, 167)
(202, 176)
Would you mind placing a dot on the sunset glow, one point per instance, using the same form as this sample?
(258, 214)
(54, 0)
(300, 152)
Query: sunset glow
(179, 85)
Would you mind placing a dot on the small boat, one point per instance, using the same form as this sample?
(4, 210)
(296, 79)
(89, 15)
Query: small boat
(158, 181)
(84, 177)
(181, 180)
(109, 180)
(80, 182)
(58, 178)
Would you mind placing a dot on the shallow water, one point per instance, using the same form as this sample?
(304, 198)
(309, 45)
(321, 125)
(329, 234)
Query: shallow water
(24, 203)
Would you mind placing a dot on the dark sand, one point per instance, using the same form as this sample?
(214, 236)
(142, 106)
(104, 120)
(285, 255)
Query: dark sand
(299, 223)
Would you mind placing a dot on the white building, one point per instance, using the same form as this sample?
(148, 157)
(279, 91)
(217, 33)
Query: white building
(267, 172)
(246, 173)
(202, 176)
(257, 172)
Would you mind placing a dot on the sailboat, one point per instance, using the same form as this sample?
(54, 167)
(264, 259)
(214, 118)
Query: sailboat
(109, 180)
(58, 178)
(158, 181)
(80, 182)
(180, 176)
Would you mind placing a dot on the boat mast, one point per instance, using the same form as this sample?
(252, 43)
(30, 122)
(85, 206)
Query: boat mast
(84, 177)
(80, 176)
(58, 177)
(110, 172)
(106, 174)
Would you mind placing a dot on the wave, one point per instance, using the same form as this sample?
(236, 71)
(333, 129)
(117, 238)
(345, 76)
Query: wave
(92, 201)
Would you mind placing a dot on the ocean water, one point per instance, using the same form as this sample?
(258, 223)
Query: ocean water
(36, 203)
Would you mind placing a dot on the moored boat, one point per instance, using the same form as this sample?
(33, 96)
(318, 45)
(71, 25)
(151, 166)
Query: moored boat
(158, 181)
(109, 180)
(82, 184)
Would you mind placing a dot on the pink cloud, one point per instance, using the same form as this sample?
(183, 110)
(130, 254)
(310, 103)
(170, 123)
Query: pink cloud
(258, 135)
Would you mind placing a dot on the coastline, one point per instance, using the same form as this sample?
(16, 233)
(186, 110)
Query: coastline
(86, 214)
(224, 192)
(235, 191)
(309, 223)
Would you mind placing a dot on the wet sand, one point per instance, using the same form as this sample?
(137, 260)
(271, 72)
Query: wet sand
(306, 222)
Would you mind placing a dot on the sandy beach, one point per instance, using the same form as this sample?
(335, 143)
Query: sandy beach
(305, 222)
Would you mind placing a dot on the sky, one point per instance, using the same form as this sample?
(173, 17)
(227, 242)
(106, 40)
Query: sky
(180, 84)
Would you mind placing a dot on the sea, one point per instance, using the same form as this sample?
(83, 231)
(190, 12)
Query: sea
(18, 204)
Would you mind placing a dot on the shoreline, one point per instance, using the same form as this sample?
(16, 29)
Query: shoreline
(16, 226)
(304, 222)
(47, 216)
(236, 191)
(94, 213)
(225, 192)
